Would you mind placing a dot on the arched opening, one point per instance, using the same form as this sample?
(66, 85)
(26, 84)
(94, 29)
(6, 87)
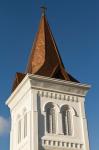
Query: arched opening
(24, 122)
(19, 131)
(50, 118)
(25, 125)
(66, 120)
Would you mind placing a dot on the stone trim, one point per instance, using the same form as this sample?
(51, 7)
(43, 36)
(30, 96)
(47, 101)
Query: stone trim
(61, 144)
(58, 96)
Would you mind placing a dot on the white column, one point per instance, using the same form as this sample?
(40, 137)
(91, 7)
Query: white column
(59, 124)
(84, 126)
(35, 121)
(11, 133)
(45, 122)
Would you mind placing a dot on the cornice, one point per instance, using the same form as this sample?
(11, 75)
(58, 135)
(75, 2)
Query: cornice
(45, 83)
(57, 85)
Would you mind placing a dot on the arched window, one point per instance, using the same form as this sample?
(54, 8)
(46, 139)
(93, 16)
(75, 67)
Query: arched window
(66, 120)
(19, 131)
(50, 119)
(25, 125)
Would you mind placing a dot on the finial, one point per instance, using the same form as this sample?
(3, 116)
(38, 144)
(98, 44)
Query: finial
(43, 8)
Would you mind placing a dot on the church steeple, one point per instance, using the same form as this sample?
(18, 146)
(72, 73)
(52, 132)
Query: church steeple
(47, 114)
(44, 58)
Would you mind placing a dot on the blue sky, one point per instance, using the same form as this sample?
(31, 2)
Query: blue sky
(75, 25)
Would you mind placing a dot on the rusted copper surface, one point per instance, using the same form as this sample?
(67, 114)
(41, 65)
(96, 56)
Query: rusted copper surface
(18, 78)
(45, 59)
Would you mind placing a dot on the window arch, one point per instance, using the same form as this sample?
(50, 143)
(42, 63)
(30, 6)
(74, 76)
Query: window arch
(66, 120)
(19, 128)
(50, 118)
(25, 123)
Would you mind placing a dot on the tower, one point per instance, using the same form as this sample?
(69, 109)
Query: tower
(47, 103)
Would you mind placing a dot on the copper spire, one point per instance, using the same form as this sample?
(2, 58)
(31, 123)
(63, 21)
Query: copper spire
(45, 59)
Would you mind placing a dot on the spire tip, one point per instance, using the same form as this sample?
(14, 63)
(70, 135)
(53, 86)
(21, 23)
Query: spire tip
(43, 8)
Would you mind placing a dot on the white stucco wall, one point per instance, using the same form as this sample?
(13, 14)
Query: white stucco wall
(34, 93)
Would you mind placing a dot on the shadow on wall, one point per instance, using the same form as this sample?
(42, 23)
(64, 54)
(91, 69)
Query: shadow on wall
(41, 125)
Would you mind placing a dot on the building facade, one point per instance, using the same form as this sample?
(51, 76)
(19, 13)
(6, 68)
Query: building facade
(47, 103)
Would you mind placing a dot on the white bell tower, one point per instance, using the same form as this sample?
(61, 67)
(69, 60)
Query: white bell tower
(35, 127)
(47, 103)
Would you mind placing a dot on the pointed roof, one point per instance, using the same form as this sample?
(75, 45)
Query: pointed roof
(44, 58)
